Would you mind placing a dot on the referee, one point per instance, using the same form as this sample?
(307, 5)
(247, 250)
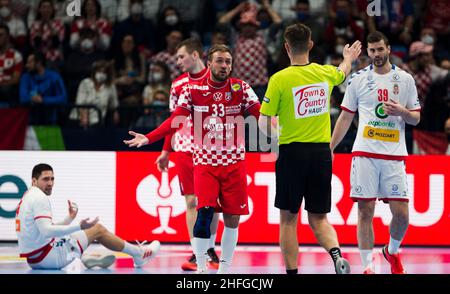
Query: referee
(300, 96)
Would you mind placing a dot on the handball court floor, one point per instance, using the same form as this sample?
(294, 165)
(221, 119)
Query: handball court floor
(247, 260)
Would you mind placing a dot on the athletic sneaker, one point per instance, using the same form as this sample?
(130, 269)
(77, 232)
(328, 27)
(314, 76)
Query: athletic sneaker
(147, 253)
(213, 259)
(342, 266)
(394, 259)
(190, 264)
(100, 260)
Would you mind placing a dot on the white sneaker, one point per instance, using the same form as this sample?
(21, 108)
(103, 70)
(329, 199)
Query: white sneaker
(93, 260)
(342, 266)
(147, 253)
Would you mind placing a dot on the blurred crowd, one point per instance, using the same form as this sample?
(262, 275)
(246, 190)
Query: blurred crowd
(120, 54)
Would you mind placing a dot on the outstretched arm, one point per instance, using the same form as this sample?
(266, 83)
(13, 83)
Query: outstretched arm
(341, 128)
(350, 54)
(168, 127)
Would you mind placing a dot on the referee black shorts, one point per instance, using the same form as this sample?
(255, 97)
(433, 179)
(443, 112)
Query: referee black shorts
(303, 170)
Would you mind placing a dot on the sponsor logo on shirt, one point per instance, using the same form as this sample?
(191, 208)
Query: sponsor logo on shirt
(233, 109)
(381, 134)
(235, 87)
(217, 96)
(201, 108)
(379, 111)
(265, 99)
(377, 123)
(310, 100)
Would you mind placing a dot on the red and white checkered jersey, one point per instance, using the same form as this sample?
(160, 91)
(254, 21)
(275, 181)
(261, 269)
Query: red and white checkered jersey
(170, 60)
(46, 31)
(250, 60)
(182, 139)
(10, 62)
(218, 123)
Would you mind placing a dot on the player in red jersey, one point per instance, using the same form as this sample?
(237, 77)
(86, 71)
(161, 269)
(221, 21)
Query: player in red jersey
(217, 106)
(189, 60)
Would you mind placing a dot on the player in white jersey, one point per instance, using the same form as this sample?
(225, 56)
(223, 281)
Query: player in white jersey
(385, 98)
(48, 245)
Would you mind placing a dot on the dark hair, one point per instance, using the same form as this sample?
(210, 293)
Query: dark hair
(377, 36)
(38, 57)
(119, 60)
(192, 44)
(38, 14)
(218, 48)
(38, 169)
(107, 66)
(297, 36)
(4, 27)
(166, 78)
(98, 7)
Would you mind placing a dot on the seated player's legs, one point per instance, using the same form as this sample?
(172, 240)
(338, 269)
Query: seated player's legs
(63, 251)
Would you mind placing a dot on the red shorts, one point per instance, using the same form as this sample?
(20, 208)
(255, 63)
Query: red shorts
(185, 171)
(224, 185)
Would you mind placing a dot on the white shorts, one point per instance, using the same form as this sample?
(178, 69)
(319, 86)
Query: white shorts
(381, 179)
(64, 251)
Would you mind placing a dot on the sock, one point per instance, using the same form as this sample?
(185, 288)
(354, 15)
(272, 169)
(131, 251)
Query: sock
(335, 253)
(228, 245)
(393, 246)
(292, 271)
(192, 244)
(212, 240)
(366, 258)
(200, 250)
(131, 249)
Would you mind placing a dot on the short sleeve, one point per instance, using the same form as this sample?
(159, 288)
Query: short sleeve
(350, 101)
(249, 98)
(185, 99)
(173, 99)
(271, 99)
(413, 102)
(335, 75)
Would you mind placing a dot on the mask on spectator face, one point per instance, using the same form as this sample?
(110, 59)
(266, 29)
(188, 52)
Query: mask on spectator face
(302, 16)
(341, 18)
(136, 9)
(171, 20)
(156, 77)
(87, 44)
(428, 39)
(159, 103)
(100, 77)
(5, 11)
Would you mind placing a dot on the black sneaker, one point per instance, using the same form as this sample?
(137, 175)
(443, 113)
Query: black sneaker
(190, 264)
(213, 260)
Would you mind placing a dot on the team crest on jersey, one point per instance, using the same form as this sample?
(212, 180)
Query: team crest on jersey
(396, 89)
(235, 87)
(228, 96)
(217, 96)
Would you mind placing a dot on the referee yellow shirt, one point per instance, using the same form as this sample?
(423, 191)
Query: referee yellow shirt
(300, 96)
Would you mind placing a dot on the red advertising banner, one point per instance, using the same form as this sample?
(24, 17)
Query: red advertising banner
(149, 204)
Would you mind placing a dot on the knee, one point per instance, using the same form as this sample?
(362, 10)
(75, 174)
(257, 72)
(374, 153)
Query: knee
(365, 215)
(191, 202)
(401, 218)
(317, 220)
(203, 222)
(100, 230)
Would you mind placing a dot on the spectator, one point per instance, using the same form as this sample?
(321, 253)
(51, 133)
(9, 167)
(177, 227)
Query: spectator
(168, 56)
(168, 20)
(140, 28)
(429, 37)
(129, 67)
(98, 90)
(422, 68)
(10, 68)
(17, 29)
(79, 63)
(150, 9)
(154, 116)
(59, 11)
(250, 52)
(47, 34)
(41, 86)
(91, 12)
(158, 80)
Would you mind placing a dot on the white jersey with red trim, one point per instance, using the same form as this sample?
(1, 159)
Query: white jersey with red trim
(34, 205)
(182, 139)
(217, 110)
(378, 133)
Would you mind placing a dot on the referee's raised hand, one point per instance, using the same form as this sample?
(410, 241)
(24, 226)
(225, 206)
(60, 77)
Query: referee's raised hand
(350, 54)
